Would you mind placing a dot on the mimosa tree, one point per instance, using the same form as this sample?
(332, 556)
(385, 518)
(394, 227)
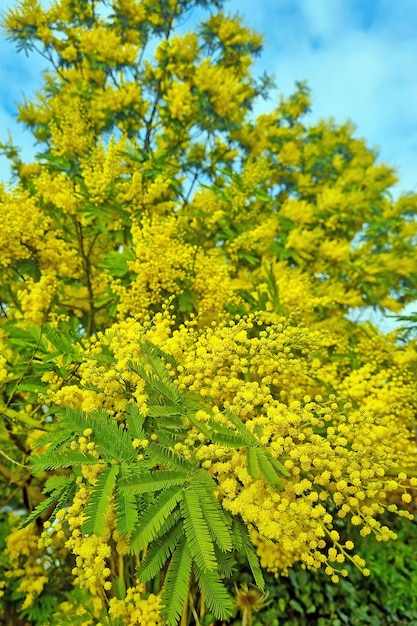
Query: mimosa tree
(181, 387)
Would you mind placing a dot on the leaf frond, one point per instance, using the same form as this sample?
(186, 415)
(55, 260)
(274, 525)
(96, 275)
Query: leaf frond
(197, 531)
(216, 596)
(218, 520)
(164, 457)
(152, 481)
(60, 459)
(135, 421)
(151, 520)
(177, 584)
(99, 500)
(158, 554)
(125, 508)
(268, 470)
(250, 552)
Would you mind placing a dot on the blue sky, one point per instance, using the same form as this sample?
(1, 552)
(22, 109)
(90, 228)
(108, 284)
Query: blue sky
(359, 58)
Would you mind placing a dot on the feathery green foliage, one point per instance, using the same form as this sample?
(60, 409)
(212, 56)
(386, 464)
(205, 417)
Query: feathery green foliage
(151, 520)
(197, 531)
(98, 502)
(177, 583)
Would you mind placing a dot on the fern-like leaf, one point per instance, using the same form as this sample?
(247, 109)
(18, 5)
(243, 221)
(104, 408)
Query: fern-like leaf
(197, 531)
(177, 584)
(164, 457)
(60, 459)
(226, 563)
(152, 518)
(240, 427)
(65, 497)
(164, 387)
(152, 350)
(126, 510)
(111, 439)
(279, 467)
(63, 344)
(253, 463)
(37, 511)
(55, 438)
(160, 410)
(216, 517)
(135, 421)
(216, 596)
(153, 481)
(99, 500)
(59, 496)
(158, 554)
(231, 440)
(237, 533)
(56, 482)
(250, 552)
(267, 469)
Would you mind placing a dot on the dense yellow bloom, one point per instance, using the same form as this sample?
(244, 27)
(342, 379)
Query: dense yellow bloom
(135, 609)
(335, 458)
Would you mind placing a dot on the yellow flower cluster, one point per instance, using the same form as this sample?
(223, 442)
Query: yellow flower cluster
(23, 225)
(36, 297)
(180, 100)
(100, 169)
(181, 268)
(91, 552)
(27, 562)
(135, 609)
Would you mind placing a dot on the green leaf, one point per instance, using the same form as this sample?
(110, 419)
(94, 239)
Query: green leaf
(161, 455)
(153, 481)
(250, 552)
(37, 511)
(60, 496)
(267, 469)
(60, 341)
(116, 263)
(226, 563)
(158, 410)
(58, 459)
(216, 596)
(54, 483)
(33, 388)
(135, 421)
(151, 520)
(111, 439)
(279, 467)
(55, 438)
(99, 500)
(152, 350)
(253, 464)
(177, 584)
(119, 588)
(216, 517)
(125, 509)
(158, 554)
(157, 378)
(186, 301)
(230, 441)
(197, 531)
(28, 267)
(240, 427)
